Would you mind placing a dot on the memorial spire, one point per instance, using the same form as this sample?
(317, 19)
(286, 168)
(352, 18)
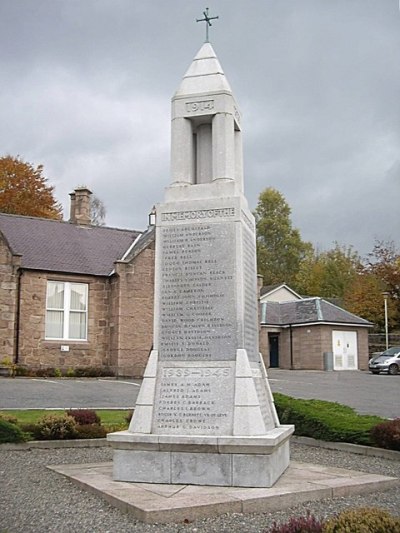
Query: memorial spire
(206, 143)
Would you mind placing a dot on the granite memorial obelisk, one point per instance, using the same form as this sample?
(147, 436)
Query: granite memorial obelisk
(205, 413)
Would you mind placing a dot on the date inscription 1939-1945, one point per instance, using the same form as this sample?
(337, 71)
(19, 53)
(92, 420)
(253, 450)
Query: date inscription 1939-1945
(196, 372)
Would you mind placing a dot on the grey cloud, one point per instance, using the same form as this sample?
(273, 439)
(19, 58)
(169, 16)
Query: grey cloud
(87, 85)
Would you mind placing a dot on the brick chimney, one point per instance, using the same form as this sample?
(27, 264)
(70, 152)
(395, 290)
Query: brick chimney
(80, 206)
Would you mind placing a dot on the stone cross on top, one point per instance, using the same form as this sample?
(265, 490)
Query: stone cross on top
(207, 20)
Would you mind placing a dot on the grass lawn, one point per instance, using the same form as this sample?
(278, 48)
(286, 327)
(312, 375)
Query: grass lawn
(109, 417)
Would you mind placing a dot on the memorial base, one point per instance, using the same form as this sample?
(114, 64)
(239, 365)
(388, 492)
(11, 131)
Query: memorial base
(222, 461)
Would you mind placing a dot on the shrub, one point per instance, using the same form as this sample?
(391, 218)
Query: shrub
(46, 372)
(387, 434)
(90, 431)
(298, 524)
(129, 416)
(327, 421)
(31, 430)
(93, 372)
(363, 520)
(9, 418)
(10, 432)
(57, 373)
(70, 373)
(84, 417)
(21, 371)
(56, 427)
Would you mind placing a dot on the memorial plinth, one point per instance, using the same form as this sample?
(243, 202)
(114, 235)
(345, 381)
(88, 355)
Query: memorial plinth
(205, 412)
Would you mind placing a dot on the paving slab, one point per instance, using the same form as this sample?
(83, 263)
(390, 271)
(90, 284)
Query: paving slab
(162, 503)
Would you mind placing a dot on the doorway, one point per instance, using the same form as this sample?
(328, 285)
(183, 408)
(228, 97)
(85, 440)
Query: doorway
(344, 350)
(273, 340)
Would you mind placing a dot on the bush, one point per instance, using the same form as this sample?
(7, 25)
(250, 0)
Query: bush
(298, 524)
(9, 418)
(10, 432)
(47, 372)
(70, 373)
(84, 417)
(129, 416)
(387, 434)
(93, 372)
(56, 427)
(21, 371)
(32, 430)
(90, 431)
(327, 421)
(363, 520)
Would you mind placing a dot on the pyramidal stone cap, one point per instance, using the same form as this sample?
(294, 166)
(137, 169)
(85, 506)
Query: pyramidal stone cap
(204, 75)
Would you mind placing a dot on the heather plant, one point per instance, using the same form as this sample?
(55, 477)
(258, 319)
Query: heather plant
(84, 417)
(387, 434)
(56, 427)
(363, 520)
(298, 524)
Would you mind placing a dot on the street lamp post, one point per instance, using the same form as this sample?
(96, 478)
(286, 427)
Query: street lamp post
(385, 297)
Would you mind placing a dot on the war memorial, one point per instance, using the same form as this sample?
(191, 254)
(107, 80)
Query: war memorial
(205, 438)
(205, 413)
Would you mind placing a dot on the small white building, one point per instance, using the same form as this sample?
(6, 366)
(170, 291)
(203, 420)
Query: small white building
(310, 333)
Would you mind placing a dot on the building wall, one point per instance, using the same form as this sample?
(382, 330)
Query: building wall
(309, 344)
(35, 351)
(131, 320)
(264, 342)
(8, 300)
(279, 295)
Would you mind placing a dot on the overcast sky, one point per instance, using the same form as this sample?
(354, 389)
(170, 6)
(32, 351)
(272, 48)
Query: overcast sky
(86, 88)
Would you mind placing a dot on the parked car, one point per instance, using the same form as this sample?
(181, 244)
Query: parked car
(388, 361)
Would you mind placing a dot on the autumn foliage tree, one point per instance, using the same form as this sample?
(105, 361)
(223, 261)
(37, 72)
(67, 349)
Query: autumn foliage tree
(25, 191)
(328, 274)
(364, 298)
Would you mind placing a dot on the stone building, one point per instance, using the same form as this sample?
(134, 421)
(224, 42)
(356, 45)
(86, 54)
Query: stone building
(310, 333)
(75, 295)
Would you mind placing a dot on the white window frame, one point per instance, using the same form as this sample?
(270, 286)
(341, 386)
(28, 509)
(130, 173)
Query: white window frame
(67, 310)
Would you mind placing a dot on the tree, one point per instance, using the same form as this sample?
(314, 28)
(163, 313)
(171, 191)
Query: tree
(328, 274)
(24, 190)
(384, 263)
(364, 298)
(280, 248)
(97, 211)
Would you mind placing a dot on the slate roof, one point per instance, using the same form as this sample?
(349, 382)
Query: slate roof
(308, 310)
(268, 288)
(57, 246)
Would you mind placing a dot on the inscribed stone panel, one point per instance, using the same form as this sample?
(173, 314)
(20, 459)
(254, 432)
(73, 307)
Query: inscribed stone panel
(197, 318)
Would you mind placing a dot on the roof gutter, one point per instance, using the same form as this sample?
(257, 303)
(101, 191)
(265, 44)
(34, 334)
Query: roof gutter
(128, 251)
(302, 324)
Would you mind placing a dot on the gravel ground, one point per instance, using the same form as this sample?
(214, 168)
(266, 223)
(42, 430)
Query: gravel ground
(35, 499)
